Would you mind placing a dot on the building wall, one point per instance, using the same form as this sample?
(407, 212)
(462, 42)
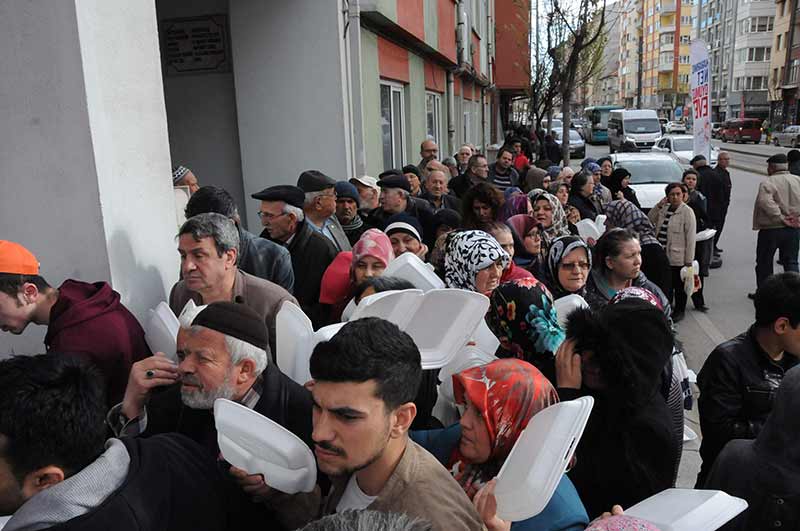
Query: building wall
(755, 101)
(201, 112)
(513, 45)
(371, 98)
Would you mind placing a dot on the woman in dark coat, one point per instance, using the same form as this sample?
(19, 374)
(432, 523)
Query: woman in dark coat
(619, 185)
(580, 195)
(703, 251)
(621, 456)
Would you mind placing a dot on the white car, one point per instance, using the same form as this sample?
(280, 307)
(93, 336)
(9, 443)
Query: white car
(682, 148)
(675, 127)
(650, 173)
(790, 136)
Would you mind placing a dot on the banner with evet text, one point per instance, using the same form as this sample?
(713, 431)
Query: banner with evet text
(700, 87)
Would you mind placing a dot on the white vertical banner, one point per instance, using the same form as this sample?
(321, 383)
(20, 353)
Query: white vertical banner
(701, 94)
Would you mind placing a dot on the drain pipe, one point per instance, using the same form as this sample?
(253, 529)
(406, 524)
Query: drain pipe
(451, 113)
(356, 106)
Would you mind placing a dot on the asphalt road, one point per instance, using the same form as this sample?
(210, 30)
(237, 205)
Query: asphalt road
(726, 289)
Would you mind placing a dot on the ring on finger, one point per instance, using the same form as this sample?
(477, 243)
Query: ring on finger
(149, 373)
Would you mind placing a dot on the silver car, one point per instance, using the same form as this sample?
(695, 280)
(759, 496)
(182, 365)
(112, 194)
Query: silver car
(790, 136)
(577, 146)
(650, 173)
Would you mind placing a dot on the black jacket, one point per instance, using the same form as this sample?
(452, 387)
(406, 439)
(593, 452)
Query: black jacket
(584, 205)
(737, 387)
(282, 400)
(766, 472)
(718, 195)
(552, 152)
(417, 207)
(172, 484)
(265, 259)
(312, 253)
(459, 185)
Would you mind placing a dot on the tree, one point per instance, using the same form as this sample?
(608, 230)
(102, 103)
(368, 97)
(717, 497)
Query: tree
(582, 22)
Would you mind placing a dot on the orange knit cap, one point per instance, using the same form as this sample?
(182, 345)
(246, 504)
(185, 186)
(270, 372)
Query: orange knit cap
(17, 260)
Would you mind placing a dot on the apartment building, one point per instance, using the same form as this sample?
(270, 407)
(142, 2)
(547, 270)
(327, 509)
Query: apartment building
(605, 88)
(630, 42)
(784, 65)
(667, 29)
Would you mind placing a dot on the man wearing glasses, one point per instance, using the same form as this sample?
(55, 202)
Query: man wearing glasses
(284, 222)
(320, 206)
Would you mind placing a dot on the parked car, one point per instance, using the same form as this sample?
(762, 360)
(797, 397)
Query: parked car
(790, 136)
(577, 147)
(675, 128)
(681, 147)
(650, 173)
(716, 127)
(742, 130)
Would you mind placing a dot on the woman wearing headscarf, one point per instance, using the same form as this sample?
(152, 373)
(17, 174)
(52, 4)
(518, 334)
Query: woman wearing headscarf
(569, 261)
(536, 178)
(528, 237)
(624, 215)
(474, 261)
(502, 233)
(369, 258)
(621, 456)
(619, 185)
(766, 471)
(522, 316)
(515, 204)
(548, 211)
(500, 399)
(580, 195)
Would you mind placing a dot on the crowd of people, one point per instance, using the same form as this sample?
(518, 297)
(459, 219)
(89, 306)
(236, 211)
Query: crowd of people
(101, 433)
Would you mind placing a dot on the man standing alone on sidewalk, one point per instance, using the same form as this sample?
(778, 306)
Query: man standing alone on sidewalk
(776, 218)
(720, 210)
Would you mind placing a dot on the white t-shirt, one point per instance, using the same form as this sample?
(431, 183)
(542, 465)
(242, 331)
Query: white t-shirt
(353, 497)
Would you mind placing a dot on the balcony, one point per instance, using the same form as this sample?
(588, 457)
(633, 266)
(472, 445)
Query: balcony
(666, 66)
(667, 7)
(667, 29)
(666, 47)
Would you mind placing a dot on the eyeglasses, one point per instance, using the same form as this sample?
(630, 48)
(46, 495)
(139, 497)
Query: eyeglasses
(269, 215)
(534, 236)
(570, 266)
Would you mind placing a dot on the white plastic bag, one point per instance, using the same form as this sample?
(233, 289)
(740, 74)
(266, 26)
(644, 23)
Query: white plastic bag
(691, 278)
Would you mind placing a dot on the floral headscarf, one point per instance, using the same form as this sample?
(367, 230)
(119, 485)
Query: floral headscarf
(516, 204)
(560, 227)
(507, 393)
(622, 522)
(626, 215)
(560, 248)
(522, 316)
(466, 253)
(373, 243)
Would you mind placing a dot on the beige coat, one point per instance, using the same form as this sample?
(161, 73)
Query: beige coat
(419, 486)
(778, 196)
(263, 296)
(681, 233)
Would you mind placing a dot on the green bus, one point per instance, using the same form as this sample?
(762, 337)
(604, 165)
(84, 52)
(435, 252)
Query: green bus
(597, 123)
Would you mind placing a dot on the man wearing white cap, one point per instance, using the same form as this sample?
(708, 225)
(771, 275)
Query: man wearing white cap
(368, 190)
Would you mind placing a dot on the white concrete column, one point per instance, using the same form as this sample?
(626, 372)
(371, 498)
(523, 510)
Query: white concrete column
(290, 73)
(85, 173)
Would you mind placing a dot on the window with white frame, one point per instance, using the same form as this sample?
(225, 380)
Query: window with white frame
(433, 114)
(393, 127)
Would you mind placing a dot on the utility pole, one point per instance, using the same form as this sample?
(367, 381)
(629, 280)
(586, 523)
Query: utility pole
(640, 61)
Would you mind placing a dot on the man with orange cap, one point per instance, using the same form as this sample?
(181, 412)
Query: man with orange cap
(84, 319)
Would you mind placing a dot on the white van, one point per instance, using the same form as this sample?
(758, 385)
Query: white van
(639, 128)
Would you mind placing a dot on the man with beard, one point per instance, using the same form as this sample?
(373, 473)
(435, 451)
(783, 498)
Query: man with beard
(347, 205)
(223, 352)
(364, 381)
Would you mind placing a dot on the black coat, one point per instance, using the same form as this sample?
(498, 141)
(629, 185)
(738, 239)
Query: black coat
(737, 386)
(459, 185)
(552, 152)
(712, 184)
(171, 484)
(416, 207)
(312, 253)
(584, 205)
(265, 259)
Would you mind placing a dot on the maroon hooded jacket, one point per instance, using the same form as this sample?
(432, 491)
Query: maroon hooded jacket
(90, 321)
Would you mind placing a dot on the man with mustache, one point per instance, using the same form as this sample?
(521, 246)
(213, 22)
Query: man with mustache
(209, 247)
(364, 383)
(223, 352)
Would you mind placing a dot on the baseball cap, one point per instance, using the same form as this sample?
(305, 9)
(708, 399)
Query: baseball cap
(17, 260)
(366, 180)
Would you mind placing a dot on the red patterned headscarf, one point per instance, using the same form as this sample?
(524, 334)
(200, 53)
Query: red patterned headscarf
(507, 392)
(373, 243)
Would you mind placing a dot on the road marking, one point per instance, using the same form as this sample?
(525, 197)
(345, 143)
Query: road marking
(708, 327)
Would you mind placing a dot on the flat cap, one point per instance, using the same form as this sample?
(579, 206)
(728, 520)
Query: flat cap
(235, 320)
(314, 181)
(778, 158)
(410, 168)
(389, 173)
(291, 195)
(395, 181)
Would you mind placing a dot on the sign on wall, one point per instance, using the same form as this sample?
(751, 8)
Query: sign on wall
(701, 94)
(195, 45)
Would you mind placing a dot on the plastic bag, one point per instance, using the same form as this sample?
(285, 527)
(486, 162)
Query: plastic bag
(691, 278)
